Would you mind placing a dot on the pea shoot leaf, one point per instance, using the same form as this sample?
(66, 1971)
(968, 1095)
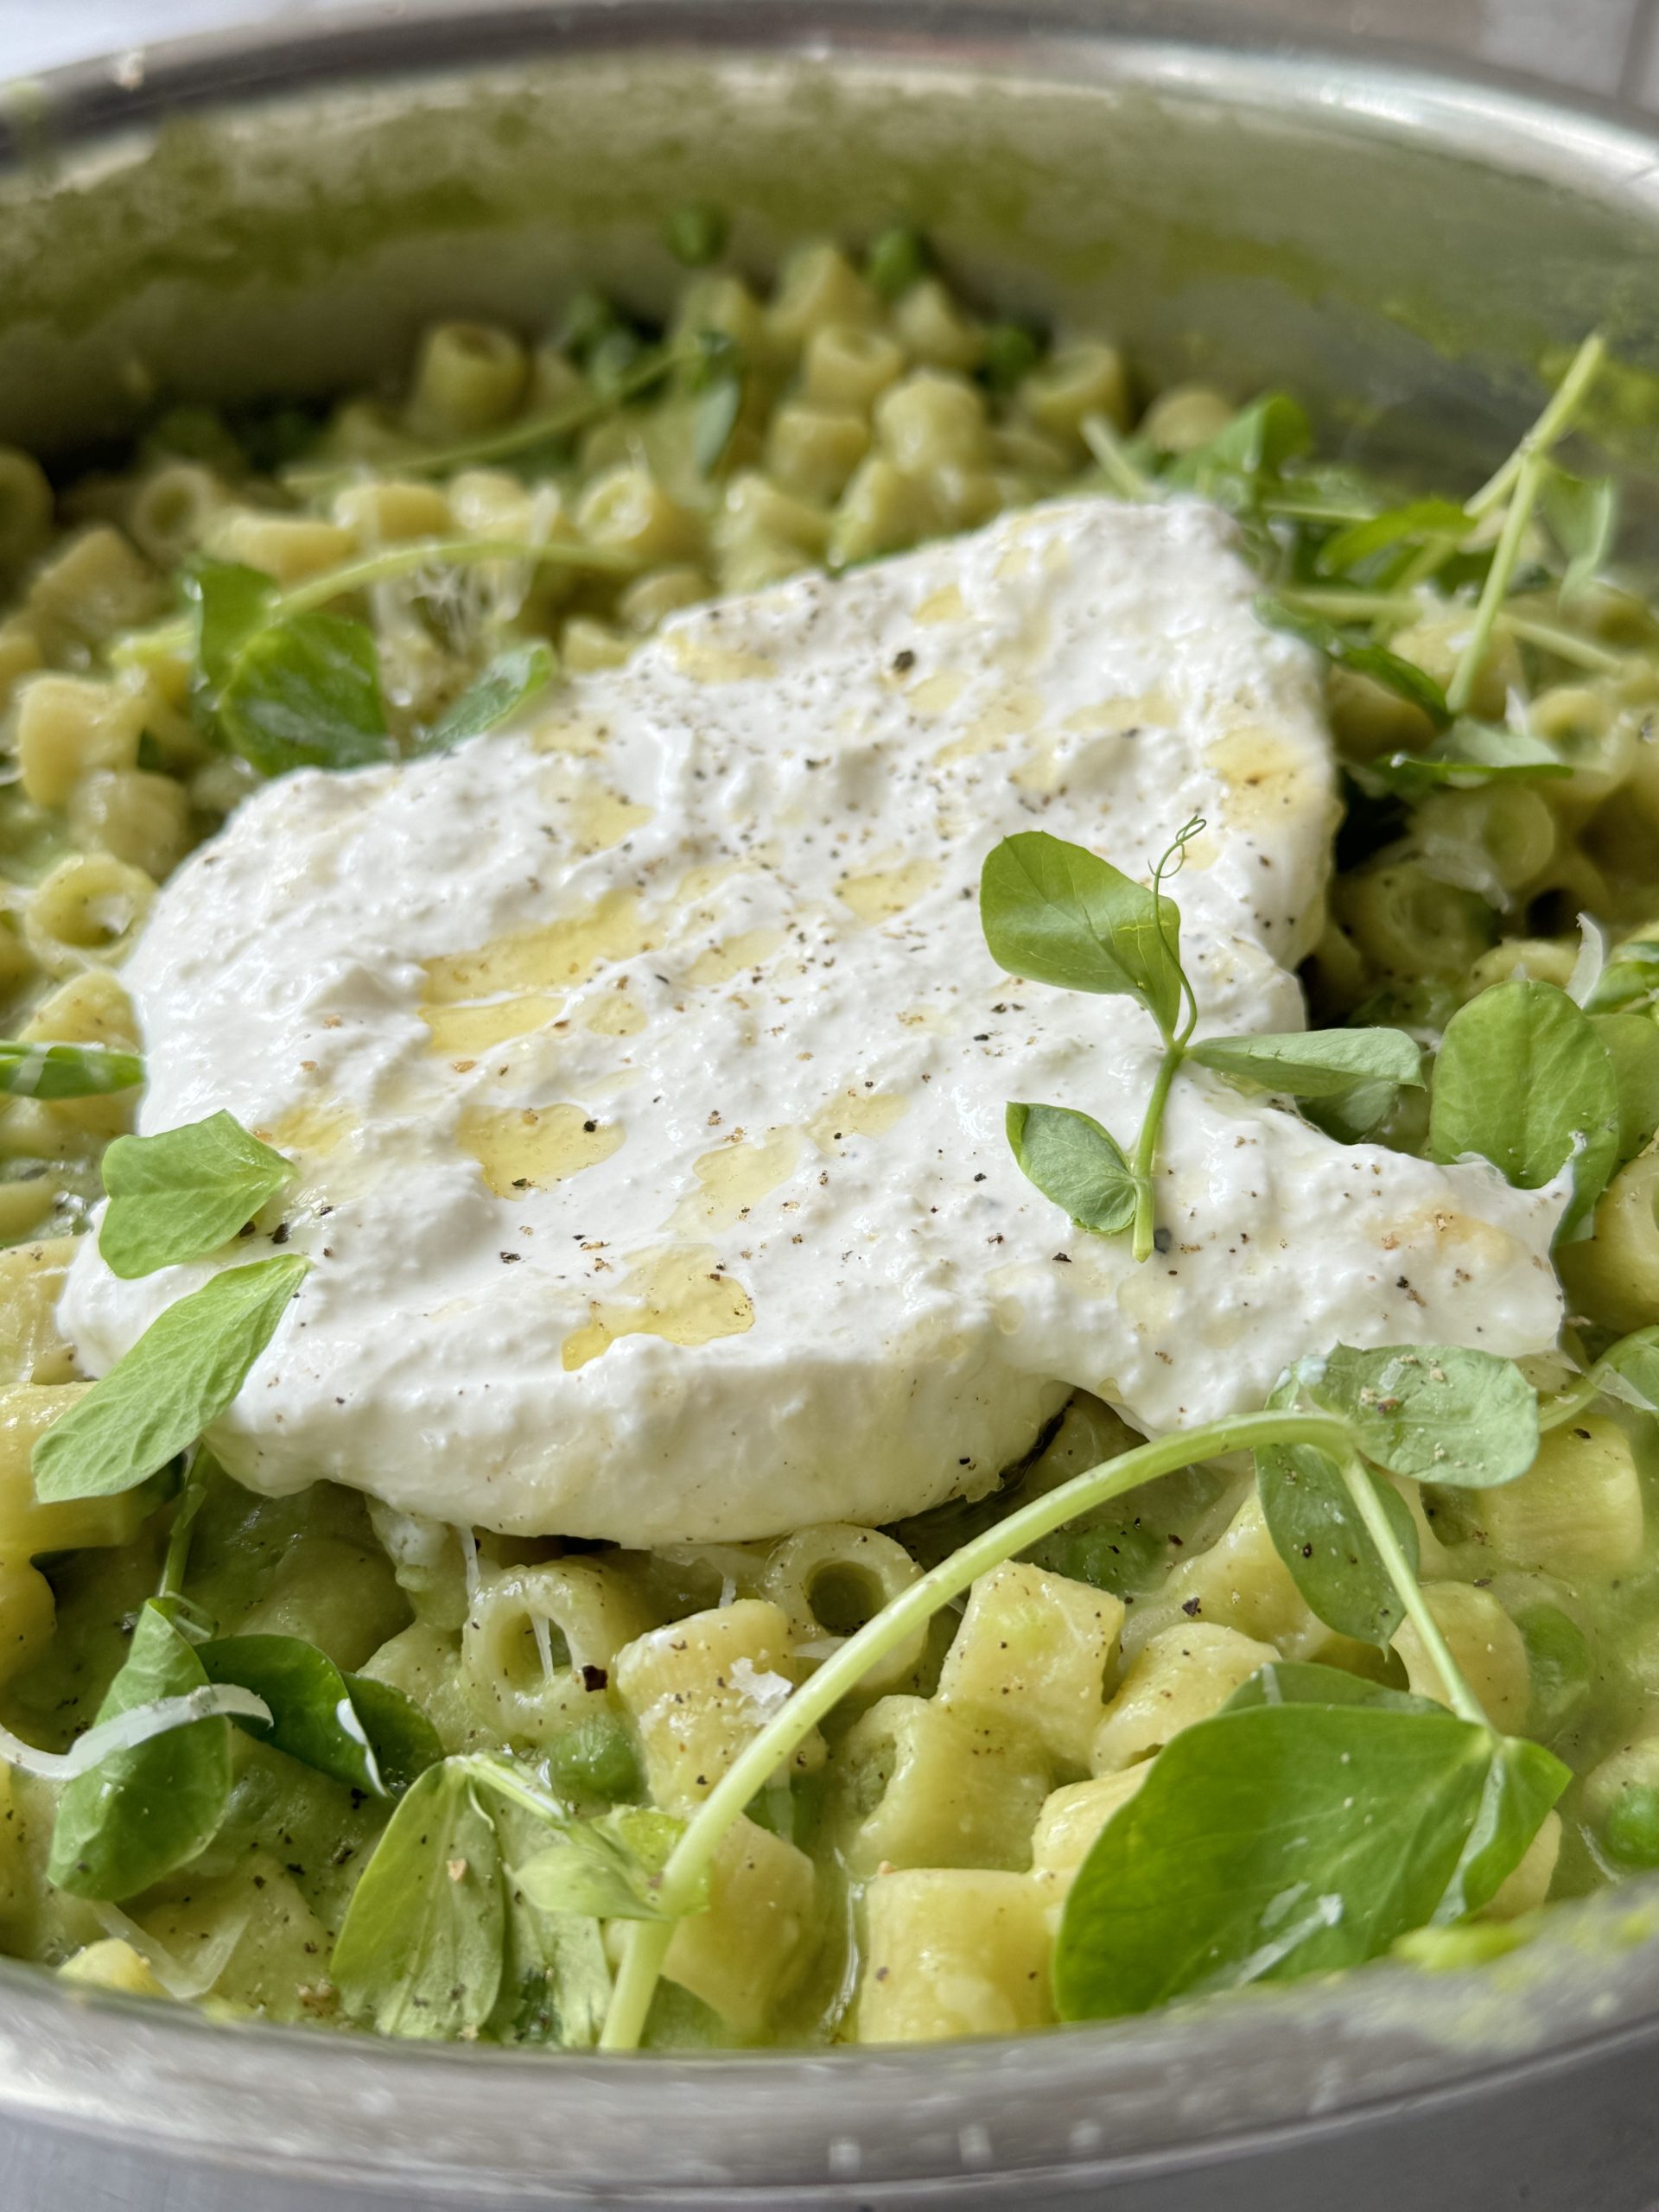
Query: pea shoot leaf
(1524, 1079)
(362, 1732)
(1469, 756)
(714, 421)
(1318, 1532)
(511, 678)
(609, 1868)
(230, 603)
(1315, 1063)
(1522, 1783)
(1355, 648)
(181, 1194)
(1630, 979)
(1581, 515)
(1437, 1413)
(421, 1950)
(1288, 1839)
(177, 1380)
(1359, 545)
(65, 1071)
(140, 1813)
(304, 692)
(1301, 1681)
(1076, 1162)
(1059, 914)
(1632, 1043)
(1629, 1371)
(1246, 459)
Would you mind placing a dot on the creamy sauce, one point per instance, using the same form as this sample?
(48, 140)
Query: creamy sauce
(651, 1125)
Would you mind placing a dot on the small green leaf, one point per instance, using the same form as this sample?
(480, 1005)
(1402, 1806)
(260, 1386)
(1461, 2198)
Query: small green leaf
(1258, 442)
(609, 1869)
(421, 1951)
(1437, 1413)
(1524, 1079)
(364, 1733)
(1632, 1043)
(1522, 1783)
(717, 410)
(1301, 1681)
(695, 233)
(1581, 515)
(511, 678)
(1630, 979)
(1076, 1162)
(231, 602)
(181, 1194)
(1315, 1063)
(1321, 1539)
(1411, 524)
(1354, 648)
(1629, 1371)
(141, 1813)
(1470, 756)
(1059, 914)
(304, 692)
(1291, 1839)
(177, 1380)
(65, 1071)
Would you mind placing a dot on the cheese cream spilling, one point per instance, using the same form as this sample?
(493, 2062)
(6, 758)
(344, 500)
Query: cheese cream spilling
(646, 1067)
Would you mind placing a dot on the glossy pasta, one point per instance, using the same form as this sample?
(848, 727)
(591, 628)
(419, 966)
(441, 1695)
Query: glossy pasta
(902, 1875)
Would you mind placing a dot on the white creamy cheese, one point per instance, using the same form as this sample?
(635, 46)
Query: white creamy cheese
(646, 1067)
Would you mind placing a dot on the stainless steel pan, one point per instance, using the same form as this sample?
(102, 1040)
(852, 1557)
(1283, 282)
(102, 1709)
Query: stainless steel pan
(281, 211)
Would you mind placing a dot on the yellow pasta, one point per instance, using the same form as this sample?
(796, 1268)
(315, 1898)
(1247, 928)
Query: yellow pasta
(1183, 1674)
(951, 1952)
(741, 1954)
(69, 726)
(1485, 1644)
(468, 376)
(832, 1578)
(699, 1689)
(917, 1783)
(1073, 1817)
(533, 1633)
(1578, 1508)
(1032, 1653)
(1074, 382)
(818, 286)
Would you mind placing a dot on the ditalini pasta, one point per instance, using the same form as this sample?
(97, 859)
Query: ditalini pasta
(826, 1187)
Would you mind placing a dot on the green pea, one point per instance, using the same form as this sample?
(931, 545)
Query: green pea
(1631, 1830)
(696, 233)
(898, 259)
(1012, 351)
(596, 1759)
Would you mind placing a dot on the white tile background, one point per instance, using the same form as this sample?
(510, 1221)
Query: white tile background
(1603, 46)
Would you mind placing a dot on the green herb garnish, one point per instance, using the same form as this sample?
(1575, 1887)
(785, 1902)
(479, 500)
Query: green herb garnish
(1392, 1827)
(66, 1071)
(1058, 914)
(141, 1813)
(180, 1195)
(177, 1380)
(1524, 1079)
(512, 678)
(362, 1732)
